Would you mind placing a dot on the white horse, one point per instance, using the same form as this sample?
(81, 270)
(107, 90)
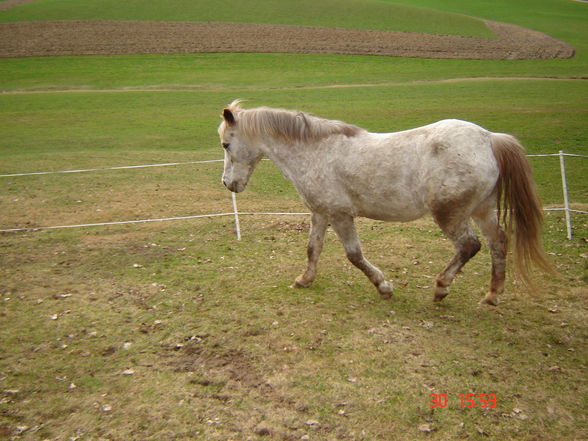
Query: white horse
(452, 169)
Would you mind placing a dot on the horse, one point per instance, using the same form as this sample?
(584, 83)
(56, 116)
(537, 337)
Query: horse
(454, 170)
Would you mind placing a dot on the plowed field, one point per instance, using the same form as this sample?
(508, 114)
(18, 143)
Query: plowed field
(55, 38)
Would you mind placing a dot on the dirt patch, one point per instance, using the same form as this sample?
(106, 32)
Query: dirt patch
(213, 362)
(57, 38)
(229, 375)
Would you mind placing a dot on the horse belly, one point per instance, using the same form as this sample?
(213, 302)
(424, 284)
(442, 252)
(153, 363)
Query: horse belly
(386, 207)
(380, 183)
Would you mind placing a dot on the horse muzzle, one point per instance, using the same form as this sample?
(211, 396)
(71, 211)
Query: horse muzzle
(235, 186)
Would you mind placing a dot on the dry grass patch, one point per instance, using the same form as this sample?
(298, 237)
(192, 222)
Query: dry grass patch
(177, 331)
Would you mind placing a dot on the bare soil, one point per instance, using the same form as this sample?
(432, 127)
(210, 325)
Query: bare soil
(57, 38)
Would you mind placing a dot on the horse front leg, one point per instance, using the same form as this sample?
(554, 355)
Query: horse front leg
(318, 226)
(345, 229)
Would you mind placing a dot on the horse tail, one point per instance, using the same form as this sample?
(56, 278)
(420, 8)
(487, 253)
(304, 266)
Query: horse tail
(519, 206)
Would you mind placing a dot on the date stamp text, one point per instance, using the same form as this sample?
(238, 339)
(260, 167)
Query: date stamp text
(465, 400)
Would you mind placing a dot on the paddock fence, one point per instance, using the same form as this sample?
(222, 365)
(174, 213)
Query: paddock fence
(235, 213)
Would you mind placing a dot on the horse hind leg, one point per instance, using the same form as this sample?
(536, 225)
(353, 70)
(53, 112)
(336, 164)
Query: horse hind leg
(487, 221)
(466, 245)
(345, 229)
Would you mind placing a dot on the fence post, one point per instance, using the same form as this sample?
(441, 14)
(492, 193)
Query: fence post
(564, 183)
(236, 212)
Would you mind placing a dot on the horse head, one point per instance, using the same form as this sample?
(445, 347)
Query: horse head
(240, 157)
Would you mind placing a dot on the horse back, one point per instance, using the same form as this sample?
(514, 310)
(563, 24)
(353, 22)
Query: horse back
(404, 175)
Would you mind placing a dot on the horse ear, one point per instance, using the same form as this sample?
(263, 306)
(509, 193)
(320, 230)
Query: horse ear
(228, 116)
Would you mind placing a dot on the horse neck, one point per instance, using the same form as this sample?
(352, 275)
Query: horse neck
(289, 158)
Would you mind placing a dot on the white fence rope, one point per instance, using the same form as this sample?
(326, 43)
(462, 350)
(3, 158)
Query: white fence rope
(567, 209)
(101, 224)
(163, 219)
(122, 167)
(167, 164)
(558, 154)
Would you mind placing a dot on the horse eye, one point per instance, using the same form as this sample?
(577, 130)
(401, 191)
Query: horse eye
(225, 145)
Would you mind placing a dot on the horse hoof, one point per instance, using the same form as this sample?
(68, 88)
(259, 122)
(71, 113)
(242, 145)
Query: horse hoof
(489, 300)
(300, 283)
(440, 294)
(385, 290)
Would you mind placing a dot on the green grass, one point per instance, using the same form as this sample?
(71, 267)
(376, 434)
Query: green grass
(286, 70)
(254, 71)
(220, 348)
(370, 14)
(117, 128)
(543, 15)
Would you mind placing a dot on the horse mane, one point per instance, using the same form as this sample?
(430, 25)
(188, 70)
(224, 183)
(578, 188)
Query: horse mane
(288, 125)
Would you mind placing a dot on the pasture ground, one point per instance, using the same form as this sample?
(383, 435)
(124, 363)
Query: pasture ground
(176, 331)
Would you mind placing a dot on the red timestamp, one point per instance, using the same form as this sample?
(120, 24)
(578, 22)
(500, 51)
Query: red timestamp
(465, 400)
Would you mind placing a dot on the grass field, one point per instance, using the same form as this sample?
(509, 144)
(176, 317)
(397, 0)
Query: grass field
(176, 331)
